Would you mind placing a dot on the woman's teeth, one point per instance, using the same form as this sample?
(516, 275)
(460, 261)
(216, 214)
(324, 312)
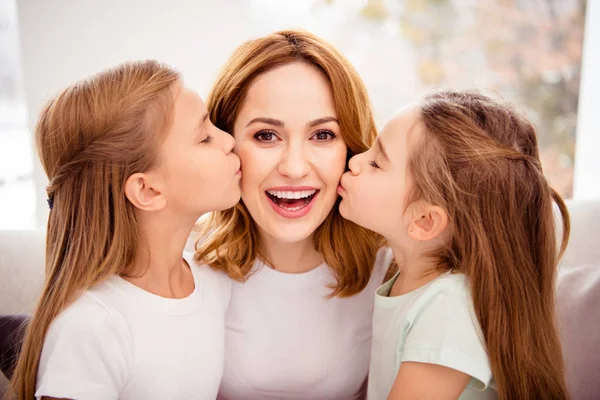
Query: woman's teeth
(289, 195)
(291, 200)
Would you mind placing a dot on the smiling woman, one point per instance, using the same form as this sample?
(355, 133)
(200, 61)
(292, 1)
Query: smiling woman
(299, 319)
(291, 201)
(290, 147)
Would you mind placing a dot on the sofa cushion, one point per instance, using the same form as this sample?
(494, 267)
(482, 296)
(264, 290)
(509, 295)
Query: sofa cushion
(21, 270)
(578, 305)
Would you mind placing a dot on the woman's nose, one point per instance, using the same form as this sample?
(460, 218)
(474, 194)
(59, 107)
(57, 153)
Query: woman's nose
(294, 161)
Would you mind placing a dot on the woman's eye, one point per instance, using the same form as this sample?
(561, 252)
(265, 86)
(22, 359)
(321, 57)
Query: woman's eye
(324, 135)
(373, 164)
(265, 136)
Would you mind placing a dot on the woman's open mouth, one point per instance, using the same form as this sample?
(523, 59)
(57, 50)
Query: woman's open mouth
(292, 203)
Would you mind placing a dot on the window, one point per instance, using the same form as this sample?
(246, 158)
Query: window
(528, 51)
(17, 194)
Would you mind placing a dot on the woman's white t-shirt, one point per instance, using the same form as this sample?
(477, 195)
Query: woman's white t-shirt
(118, 341)
(285, 339)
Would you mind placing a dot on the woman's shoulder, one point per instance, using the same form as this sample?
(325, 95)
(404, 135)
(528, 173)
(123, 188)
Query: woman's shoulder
(383, 261)
(204, 270)
(216, 281)
(201, 233)
(194, 237)
(385, 256)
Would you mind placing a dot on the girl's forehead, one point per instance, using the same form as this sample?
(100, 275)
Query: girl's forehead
(402, 130)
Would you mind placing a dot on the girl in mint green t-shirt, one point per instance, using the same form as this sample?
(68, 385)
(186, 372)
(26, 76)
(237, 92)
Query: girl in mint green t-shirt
(454, 183)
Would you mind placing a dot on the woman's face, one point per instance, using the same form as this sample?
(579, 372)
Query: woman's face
(289, 141)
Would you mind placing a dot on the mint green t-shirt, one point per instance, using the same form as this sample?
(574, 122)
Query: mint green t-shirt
(433, 324)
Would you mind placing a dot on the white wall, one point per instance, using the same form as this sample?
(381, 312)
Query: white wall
(191, 35)
(64, 40)
(587, 147)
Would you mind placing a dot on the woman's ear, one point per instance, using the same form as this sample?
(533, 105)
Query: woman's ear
(428, 222)
(140, 192)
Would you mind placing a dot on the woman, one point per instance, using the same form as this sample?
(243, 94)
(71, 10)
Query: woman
(299, 318)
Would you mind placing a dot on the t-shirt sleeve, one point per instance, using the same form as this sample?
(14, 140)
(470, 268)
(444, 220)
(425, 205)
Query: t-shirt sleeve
(445, 331)
(86, 353)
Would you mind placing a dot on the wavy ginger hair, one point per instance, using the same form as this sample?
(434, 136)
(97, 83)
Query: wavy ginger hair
(233, 241)
(90, 139)
(479, 160)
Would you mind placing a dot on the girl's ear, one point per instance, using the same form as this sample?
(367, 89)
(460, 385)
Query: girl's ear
(142, 194)
(428, 222)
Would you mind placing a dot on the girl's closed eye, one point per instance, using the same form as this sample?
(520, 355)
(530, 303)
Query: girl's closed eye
(208, 139)
(373, 164)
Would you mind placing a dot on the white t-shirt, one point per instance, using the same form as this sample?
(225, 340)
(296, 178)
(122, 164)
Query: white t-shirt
(118, 341)
(285, 339)
(433, 324)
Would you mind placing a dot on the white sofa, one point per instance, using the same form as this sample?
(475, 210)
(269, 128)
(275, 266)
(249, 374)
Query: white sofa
(22, 264)
(22, 257)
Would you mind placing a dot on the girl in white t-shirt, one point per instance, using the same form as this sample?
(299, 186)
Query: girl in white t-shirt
(455, 185)
(133, 161)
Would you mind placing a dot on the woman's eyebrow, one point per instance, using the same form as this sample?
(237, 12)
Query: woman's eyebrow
(323, 120)
(270, 121)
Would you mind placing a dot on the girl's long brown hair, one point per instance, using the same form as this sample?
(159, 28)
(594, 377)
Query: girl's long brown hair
(479, 160)
(233, 243)
(90, 139)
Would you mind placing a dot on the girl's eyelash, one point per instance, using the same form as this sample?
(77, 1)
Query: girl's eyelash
(373, 164)
(208, 139)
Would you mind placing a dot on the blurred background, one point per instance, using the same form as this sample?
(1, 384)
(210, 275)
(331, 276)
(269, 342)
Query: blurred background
(541, 54)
